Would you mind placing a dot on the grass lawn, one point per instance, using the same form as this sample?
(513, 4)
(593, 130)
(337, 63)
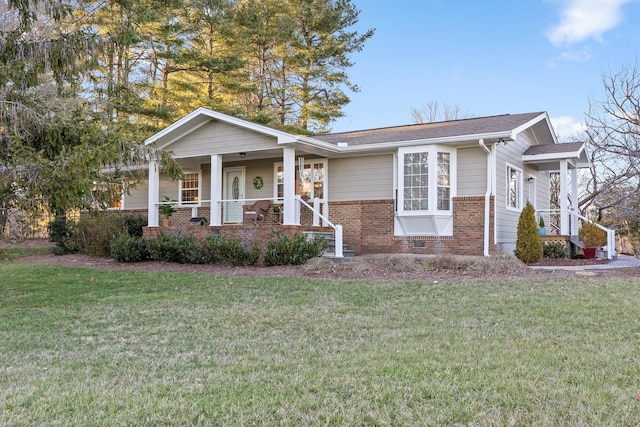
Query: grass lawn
(111, 348)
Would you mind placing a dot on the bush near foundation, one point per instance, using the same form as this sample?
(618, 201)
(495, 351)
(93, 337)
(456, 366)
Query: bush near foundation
(528, 245)
(183, 249)
(126, 248)
(230, 250)
(293, 250)
(555, 250)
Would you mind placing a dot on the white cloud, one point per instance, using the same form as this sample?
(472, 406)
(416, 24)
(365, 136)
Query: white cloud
(585, 19)
(581, 55)
(567, 127)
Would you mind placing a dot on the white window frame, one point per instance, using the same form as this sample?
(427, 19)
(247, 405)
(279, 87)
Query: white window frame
(433, 186)
(306, 162)
(198, 203)
(519, 200)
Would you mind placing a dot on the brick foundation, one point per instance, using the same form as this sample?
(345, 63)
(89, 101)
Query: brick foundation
(246, 233)
(368, 228)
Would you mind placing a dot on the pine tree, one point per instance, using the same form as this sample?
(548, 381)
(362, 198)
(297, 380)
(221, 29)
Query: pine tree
(528, 245)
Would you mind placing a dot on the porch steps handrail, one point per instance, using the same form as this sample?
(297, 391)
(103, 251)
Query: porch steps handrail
(611, 234)
(337, 228)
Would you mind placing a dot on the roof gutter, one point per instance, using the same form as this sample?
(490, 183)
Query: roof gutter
(343, 147)
(487, 198)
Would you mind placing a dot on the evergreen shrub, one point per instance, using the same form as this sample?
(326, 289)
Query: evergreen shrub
(182, 249)
(294, 249)
(60, 232)
(127, 248)
(555, 250)
(134, 223)
(528, 245)
(230, 250)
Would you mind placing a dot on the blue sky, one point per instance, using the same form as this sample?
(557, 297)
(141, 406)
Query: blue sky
(488, 57)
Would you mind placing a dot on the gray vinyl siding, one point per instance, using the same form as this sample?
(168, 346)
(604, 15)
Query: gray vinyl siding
(361, 178)
(218, 138)
(138, 197)
(472, 171)
(264, 169)
(507, 220)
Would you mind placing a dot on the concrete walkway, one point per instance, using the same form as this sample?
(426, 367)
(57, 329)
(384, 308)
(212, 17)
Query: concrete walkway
(622, 261)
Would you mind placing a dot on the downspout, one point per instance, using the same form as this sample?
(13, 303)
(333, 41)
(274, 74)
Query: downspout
(487, 199)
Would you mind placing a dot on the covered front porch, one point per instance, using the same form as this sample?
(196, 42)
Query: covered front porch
(229, 165)
(564, 220)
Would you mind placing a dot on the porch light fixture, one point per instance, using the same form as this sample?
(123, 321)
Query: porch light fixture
(242, 154)
(530, 179)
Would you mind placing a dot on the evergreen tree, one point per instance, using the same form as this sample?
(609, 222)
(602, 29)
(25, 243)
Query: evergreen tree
(528, 245)
(323, 44)
(53, 144)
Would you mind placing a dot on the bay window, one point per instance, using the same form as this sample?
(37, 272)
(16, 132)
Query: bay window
(426, 186)
(426, 179)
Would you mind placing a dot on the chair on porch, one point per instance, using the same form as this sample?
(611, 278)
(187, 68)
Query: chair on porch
(257, 211)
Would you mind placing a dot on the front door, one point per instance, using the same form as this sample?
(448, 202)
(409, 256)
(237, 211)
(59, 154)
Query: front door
(233, 194)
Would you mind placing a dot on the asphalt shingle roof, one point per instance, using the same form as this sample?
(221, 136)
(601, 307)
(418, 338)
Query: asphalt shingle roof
(453, 128)
(567, 147)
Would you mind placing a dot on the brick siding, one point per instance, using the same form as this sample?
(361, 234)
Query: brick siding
(368, 228)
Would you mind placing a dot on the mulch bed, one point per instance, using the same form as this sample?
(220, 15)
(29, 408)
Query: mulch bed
(358, 268)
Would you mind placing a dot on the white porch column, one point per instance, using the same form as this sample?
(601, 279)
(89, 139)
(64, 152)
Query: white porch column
(216, 190)
(564, 199)
(154, 193)
(289, 170)
(574, 200)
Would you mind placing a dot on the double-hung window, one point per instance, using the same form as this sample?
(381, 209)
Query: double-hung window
(190, 185)
(514, 188)
(310, 181)
(416, 181)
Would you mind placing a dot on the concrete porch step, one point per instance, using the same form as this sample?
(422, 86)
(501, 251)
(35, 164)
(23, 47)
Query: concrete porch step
(331, 248)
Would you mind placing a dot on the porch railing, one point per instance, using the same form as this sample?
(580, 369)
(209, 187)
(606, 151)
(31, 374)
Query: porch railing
(317, 215)
(611, 234)
(553, 226)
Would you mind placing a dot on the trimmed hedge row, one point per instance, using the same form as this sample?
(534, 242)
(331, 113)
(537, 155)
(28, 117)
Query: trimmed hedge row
(186, 249)
(120, 236)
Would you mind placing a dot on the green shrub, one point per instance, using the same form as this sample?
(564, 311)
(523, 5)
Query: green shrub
(126, 248)
(528, 245)
(133, 224)
(182, 249)
(555, 250)
(92, 234)
(293, 250)
(60, 232)
(592, 236)
(231, 250)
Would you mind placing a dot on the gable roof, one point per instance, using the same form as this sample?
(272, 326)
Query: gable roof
(490, 129)
(201, 116)
(473, 128)
(547, 156)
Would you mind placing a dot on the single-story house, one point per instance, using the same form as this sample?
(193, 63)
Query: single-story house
(454, 187)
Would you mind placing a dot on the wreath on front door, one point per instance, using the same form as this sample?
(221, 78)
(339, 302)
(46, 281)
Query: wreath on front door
(258, 182)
